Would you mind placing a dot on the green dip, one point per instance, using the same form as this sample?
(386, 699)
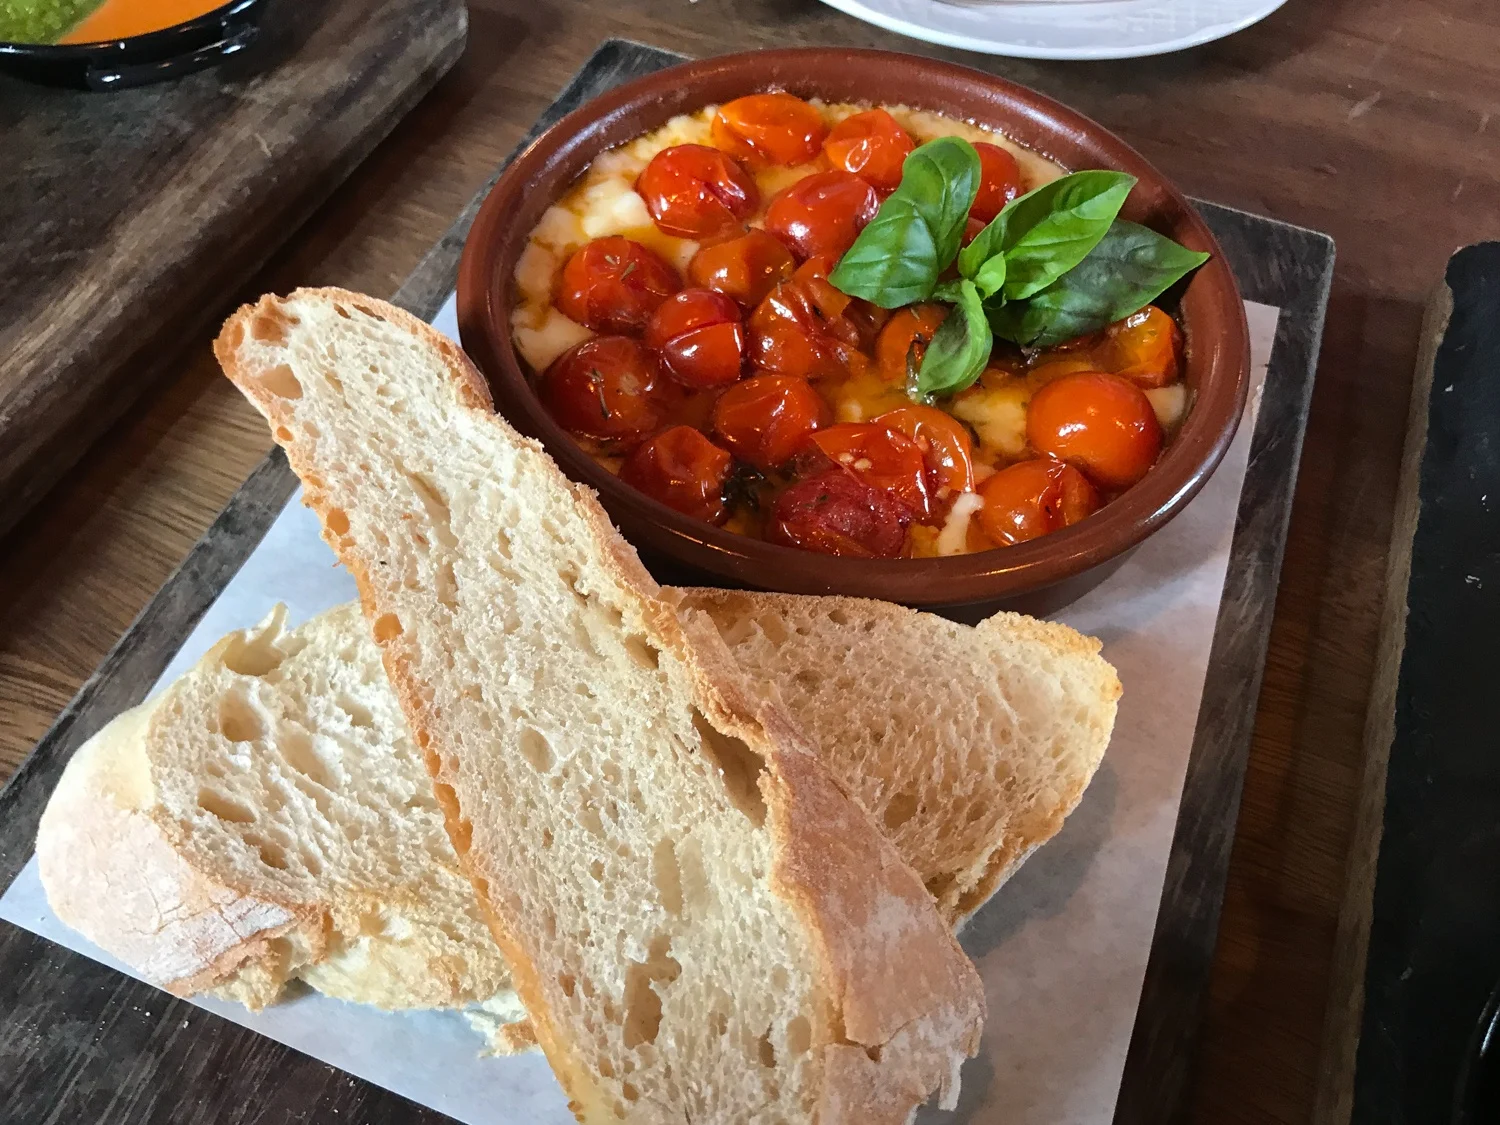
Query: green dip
(41, 21)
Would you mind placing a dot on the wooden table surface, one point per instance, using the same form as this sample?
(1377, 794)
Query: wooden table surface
(1368, 119)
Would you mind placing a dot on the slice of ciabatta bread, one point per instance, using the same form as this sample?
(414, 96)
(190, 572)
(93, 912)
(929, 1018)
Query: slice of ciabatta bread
(266, 818)
(968, 745)
(701, 924)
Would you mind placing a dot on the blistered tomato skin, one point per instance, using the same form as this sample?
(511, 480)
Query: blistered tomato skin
(766, 419)
(903, 341)
(1034, 498)
(822, 214)
(614, 285)
(769, 129)
(835, 513)
(872, 145)
(1103, 424)
(745, 268)
(880, 457)
(800, 329)
(999, 181)
(699, 337)
(1145, 347)
(603, 388)
(694, 191)
(947, 450)
(684, 470)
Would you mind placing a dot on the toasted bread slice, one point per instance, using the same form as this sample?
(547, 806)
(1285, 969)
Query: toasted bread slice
(266, 818)
(969, 746)
(701, 924)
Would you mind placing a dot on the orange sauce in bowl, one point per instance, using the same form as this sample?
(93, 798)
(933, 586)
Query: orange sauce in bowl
(120, 19)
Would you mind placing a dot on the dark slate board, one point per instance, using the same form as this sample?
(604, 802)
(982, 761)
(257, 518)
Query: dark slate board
(1434, 941)
(128, 219)
(73, 1034)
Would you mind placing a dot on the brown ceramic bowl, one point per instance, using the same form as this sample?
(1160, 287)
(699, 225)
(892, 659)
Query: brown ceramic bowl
(1037, 576)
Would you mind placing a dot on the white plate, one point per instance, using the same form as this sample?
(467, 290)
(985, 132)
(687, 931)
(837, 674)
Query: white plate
(1064, 29)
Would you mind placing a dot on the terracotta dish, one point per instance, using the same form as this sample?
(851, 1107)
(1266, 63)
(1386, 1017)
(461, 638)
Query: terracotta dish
(1036, 576)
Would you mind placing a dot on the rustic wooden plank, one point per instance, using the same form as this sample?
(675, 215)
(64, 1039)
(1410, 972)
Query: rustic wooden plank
(1277, 264)
(1346, 987)
(137, 213)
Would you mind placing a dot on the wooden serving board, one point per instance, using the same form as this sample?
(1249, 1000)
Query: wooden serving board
(93, 1045)
(1419, 934)
(128, 219)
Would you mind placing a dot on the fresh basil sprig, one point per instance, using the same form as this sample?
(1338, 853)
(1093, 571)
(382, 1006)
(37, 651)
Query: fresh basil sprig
(1055, 264)
(1046, 232)
(1126, 270)
(899, 255)
(959, 349)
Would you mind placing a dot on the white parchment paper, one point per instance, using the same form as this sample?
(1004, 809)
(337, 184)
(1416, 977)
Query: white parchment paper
(1062, 949)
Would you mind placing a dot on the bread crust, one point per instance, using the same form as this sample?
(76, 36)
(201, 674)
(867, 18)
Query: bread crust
(870, 916)
(110, 872)
(956, 904)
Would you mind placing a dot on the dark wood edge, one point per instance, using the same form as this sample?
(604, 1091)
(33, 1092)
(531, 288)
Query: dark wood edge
(1295, 276)
(169, 342)
(1160, 1053)
(1334, 1104)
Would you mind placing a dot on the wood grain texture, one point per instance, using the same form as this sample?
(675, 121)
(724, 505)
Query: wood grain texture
(1335, 1095)
(136, 213)
(1368, 120)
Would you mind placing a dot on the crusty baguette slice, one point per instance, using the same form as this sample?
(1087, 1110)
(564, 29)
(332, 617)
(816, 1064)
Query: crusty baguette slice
(968, 745)
(266, 818)
(701, 924)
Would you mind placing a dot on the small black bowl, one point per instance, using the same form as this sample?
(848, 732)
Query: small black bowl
(116, 64)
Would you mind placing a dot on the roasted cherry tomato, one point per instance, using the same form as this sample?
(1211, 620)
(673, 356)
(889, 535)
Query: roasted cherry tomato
(879, 456)
(766, 419)
(699, 337)
(904, 339)
(836, 513)
(999, 181)
(769, 129)
(947, 450)
(745, 268)
(972, 226)
(1145, 347)
(694, 191)
(1101, 423)
(684, 470)
(872, 145)
(614, 285)
(801, 328)
(603, 388)
(822, 213)
(1032, 498)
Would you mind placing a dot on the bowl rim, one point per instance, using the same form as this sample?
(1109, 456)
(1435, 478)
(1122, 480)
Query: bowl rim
(1221, 362)
(179, 36)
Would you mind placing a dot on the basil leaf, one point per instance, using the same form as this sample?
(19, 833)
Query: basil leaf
(941, 179)
(916, 233)
(1126, 270)
(1048, 231)
(990, 277)
(948, 291)
(960, 347)
(893, 262)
